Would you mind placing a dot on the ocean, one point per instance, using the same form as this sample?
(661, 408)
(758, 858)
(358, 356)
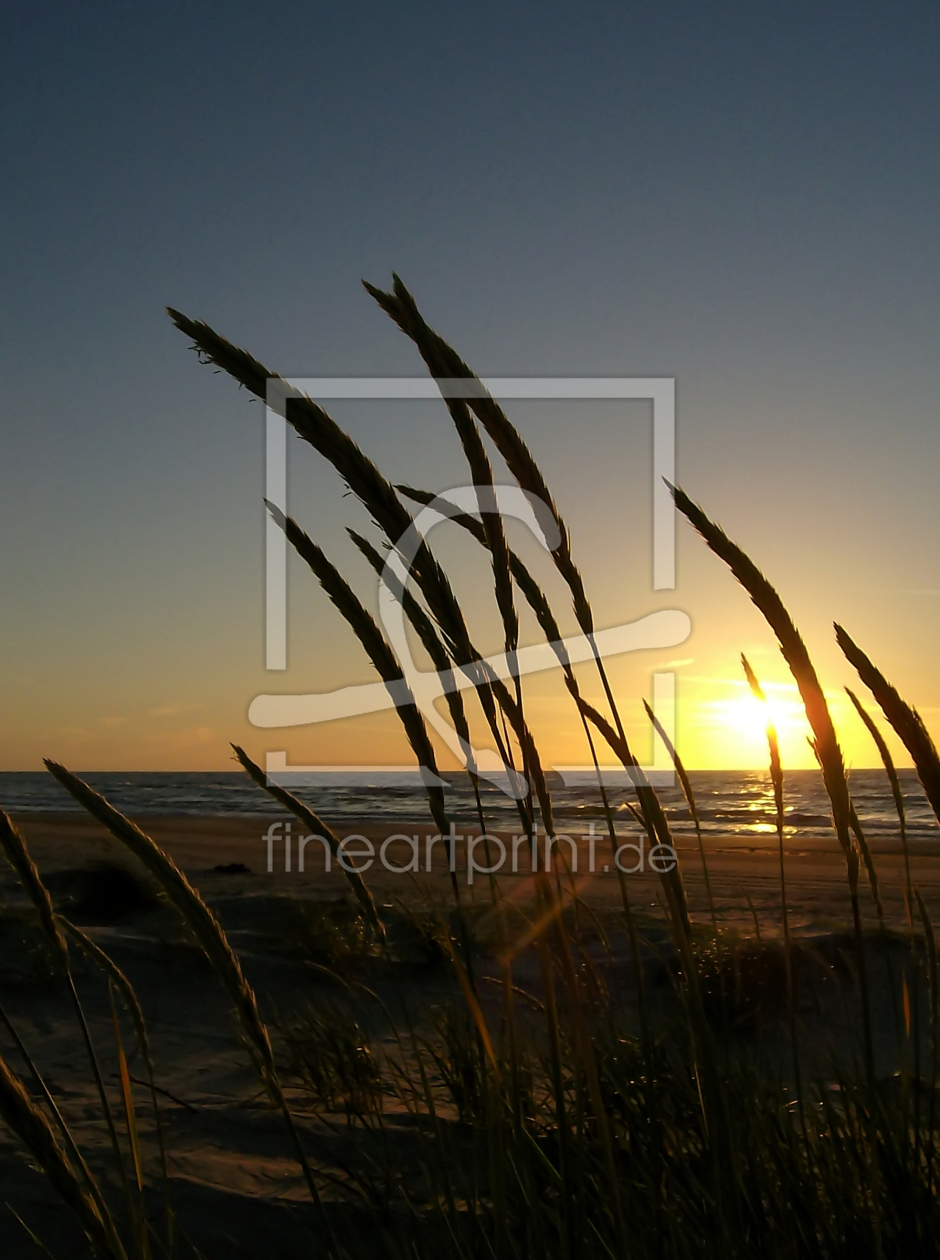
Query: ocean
(735, 803)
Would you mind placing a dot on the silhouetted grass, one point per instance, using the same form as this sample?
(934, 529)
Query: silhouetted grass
(540, 1122)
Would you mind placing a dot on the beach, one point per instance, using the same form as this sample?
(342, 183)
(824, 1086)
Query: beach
(740, 866)
(238, 1189)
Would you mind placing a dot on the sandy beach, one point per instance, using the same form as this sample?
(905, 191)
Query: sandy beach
(738, 867)
(238, 1189)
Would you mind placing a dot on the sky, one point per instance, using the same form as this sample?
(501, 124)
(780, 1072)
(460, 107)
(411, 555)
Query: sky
(743, 197)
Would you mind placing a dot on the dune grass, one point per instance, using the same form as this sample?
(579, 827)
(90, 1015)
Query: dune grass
(553, 1121)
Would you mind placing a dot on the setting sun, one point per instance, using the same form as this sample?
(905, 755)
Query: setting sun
(736, 724)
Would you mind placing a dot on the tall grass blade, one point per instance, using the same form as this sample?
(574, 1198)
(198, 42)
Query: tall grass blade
(31, 1233)
(317, 827)
(34, 1131)
(376, 493)
(794, 653)
(443, 362)
(119, 980)
(907, 722)
(389, 670)
(897, 794)
(314, 425)
(130, 1112)
(130, 1120)
(933, 979)
(653, 819)
(17, 854)
(868, 859)
(430, 640)
(71, 1149)
(208, 932)
(825, 744)
(379, 652)
(776, 776)
(538, 602)
(689, 794)
(185, 899)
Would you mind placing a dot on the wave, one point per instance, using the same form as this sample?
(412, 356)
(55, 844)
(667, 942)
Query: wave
(733, 803)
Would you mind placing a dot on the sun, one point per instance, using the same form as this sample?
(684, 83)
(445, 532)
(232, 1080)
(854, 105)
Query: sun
(732, 727)
(751, 716)
(742, 720)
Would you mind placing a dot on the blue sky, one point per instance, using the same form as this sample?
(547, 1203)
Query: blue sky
(744, 197)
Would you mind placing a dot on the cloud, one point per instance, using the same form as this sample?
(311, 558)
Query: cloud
(189, 737)
(115, 720)
(834, 695)
(174, 710)
(738, 682)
